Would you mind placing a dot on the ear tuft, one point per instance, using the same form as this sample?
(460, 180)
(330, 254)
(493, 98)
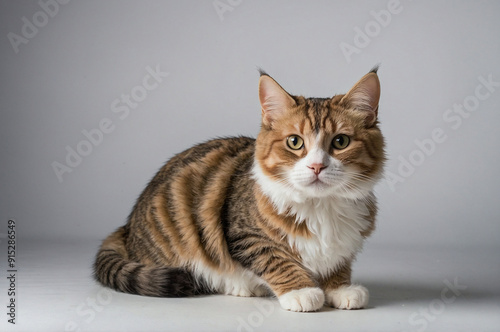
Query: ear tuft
(375, 68)
(262, 72)
(274, 100)
(364, 96)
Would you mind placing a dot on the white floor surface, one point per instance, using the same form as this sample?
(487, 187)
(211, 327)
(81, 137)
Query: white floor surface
(412, 289)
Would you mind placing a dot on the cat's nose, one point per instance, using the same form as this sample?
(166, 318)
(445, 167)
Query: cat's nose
(317, 168)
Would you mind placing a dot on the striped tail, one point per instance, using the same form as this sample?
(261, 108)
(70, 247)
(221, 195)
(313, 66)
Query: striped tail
(114, 270)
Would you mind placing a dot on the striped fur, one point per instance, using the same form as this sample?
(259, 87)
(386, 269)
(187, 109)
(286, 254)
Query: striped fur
(242, 216)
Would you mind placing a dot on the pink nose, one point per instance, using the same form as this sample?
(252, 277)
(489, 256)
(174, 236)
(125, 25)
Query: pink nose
(317, 168)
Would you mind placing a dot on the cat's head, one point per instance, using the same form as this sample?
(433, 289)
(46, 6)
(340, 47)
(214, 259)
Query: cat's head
(319, 147)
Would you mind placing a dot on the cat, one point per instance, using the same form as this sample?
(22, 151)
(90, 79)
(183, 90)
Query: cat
(283, 214)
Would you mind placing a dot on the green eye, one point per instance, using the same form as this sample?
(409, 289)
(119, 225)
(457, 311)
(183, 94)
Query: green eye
(294, 142)
(341, 142)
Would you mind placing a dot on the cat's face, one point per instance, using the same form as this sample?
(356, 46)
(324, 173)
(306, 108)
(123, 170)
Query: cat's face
(319, 147)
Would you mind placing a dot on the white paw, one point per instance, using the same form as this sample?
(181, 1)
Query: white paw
(305, 299)
(246, 290)
(348, 297)
(238, 291)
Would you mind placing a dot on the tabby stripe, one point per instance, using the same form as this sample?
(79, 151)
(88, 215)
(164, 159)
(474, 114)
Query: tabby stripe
(294, 279)
(349, 155)
(167, 220)
(259, 252)
(188, 230)
(333, 127)
(194, 154)
(117, 275)
(198, 202)
(109, 275)
(309, 117)
(327, 117)
(370, 149)
(139, 246)
(111, 271)
(270, 148)
(159, 245)
(276, 266)
(302, 124)
(290, 279)
(292, 282)
(103, 259)
(104, 252)
(158, 228)
(102, 265)
(317, 115)
(183, 221)
(132, 285)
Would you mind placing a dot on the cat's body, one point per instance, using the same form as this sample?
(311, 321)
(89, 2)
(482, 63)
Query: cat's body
(284, 214)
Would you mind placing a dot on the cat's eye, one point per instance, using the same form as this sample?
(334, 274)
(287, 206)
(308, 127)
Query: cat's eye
(341, 141)
(294, 142)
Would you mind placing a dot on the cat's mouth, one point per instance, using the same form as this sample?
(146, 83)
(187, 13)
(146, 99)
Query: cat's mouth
(317, 183)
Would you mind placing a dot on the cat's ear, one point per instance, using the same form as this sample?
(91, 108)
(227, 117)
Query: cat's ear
(364, 96)
(274, 100)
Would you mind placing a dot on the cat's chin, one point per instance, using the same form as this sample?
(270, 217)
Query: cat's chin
(319, 189)
(316, 189)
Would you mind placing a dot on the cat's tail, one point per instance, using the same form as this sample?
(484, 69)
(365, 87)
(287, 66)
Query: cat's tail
(113, 269)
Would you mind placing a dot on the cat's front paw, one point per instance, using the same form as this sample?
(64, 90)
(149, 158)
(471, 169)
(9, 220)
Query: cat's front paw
(262, 291)
(305, 299)
(348, 297)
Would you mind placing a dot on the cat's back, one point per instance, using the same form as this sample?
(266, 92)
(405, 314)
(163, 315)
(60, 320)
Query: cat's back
(210, 156)
(204, 170)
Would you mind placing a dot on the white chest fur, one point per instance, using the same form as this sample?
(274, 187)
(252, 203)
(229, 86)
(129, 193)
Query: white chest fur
(336, 225)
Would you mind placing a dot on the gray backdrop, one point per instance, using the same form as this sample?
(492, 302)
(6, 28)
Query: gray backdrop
(95, 96)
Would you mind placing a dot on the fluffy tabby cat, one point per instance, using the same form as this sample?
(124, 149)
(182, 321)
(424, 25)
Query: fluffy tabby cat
(283, 214)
